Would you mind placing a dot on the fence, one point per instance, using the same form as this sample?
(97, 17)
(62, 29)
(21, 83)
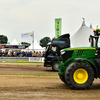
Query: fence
(21, 59)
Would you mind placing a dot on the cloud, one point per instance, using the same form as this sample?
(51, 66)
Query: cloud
(19, 16)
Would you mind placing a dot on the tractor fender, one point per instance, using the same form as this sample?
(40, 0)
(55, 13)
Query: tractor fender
(92, 65)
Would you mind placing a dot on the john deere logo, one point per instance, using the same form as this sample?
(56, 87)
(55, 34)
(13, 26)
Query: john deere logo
(31, 34)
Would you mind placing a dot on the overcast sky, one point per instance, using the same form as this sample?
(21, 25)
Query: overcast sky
(21, 16)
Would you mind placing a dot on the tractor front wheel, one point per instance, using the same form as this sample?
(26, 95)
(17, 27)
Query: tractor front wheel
(62, 78)
(55, 66)
(79, 75)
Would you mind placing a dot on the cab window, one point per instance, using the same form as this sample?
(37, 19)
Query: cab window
(98, 42)
(54, 48)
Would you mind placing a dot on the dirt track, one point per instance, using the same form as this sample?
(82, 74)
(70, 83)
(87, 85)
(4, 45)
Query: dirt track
(39, 88)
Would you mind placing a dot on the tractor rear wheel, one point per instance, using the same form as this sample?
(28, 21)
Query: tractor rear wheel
(79, 75)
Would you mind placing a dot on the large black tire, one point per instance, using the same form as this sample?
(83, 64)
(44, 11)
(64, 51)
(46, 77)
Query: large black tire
(62, 78)
(79, 75)
(55, 66)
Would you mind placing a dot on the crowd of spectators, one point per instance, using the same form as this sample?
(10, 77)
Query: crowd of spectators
(21, 54)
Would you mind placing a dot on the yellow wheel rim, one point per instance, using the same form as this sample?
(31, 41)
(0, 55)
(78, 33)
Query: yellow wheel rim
(80, 76)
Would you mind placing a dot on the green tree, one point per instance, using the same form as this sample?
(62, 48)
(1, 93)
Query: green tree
(3, 39)
(25, 43)
(44, 41)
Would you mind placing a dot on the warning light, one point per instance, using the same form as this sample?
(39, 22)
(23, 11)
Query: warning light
(94, 30)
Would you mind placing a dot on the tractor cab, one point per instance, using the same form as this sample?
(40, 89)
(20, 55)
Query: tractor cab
(95, 40)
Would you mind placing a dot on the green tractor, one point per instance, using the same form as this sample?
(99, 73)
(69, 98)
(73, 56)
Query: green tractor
(80, 66)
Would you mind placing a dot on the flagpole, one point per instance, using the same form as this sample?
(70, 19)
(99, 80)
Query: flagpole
(33, 42)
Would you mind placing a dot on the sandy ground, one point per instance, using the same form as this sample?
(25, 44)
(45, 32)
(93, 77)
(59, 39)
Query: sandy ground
(39, 88)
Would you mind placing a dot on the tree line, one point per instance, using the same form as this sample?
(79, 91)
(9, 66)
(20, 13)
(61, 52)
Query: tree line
(43, 42)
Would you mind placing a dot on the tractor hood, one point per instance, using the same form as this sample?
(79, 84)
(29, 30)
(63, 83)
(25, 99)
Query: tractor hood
(78, 48)
(81, 52)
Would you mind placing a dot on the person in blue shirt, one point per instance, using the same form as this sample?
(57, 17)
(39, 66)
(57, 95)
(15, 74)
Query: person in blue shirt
(23, 53)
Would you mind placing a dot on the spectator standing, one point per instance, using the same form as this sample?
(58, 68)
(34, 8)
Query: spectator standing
(43, 53)
(10, 54)
(40, 54)
(23, 53)
(26, 54)
(14, 53)
(37, 54)
(20, 53)
(30, 53)
(3, 54)
(17, 54)
(6, 53)
(0, 53)
(34, 54)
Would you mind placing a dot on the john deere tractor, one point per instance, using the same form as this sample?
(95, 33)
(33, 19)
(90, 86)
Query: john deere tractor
(80, 66)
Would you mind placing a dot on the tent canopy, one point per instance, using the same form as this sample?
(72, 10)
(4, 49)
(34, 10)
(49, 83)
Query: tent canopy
(14, 42)
(81, 37)
(35, 45)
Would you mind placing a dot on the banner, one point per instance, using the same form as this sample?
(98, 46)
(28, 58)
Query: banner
(27, 36)
(36, 59)
(58, 27)
(13, 46)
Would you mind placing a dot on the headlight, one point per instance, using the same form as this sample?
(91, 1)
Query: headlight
(62, 52)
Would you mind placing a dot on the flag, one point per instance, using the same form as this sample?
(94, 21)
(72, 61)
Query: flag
(57, 27)
(27, 36)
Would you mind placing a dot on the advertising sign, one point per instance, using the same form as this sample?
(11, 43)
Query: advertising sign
(36, 59)
(57, 27)
(13, 46)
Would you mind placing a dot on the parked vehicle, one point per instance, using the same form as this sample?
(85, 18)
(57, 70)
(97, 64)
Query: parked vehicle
(54, 48)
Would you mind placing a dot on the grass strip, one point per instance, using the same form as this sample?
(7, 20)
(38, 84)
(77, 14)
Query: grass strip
(21, 62)
(29, 75)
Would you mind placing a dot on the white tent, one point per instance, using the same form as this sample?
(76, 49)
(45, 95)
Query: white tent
(14, 42)
(81, 37)
(35, 45)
